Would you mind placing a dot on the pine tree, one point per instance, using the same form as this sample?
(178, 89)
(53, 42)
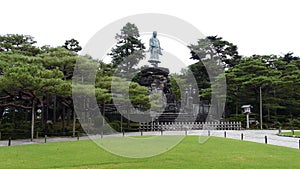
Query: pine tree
(129, 49)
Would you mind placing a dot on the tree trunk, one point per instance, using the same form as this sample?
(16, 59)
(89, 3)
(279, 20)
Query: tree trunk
(54, 109)
(63, 120)
(43, 117)
(260, 108)
(47, 108)
(68, 117)
(32, 121)
(74, 123)
(1, 112)
(269, 115)
(128, 121)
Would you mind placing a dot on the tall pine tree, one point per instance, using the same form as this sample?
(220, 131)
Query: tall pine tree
(129, 49)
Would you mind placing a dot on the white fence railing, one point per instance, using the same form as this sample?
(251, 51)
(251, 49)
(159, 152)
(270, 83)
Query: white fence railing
(169, 126)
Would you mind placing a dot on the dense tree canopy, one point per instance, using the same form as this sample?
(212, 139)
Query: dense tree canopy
(34, 78)
(276, 76)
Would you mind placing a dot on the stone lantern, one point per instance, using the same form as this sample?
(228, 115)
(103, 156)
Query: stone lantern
(247, 111)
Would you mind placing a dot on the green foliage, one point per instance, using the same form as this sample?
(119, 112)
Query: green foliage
(72, 45)
(41, 78)
(15, 43)
(215, 48)
(278, 77)
(296, 133)
(279, 82)
(156, 102)
(129, 49)
(24, 74)
(131, 93)
(59, 58)
(138, 95)
(34, 78)
(176, 81)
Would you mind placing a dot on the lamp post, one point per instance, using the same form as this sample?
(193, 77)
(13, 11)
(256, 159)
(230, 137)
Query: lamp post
(39, 116)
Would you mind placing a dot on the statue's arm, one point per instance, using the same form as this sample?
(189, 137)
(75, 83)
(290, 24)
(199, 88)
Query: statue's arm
(159, 45)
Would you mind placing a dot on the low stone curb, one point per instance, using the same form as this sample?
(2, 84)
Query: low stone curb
(286, 135)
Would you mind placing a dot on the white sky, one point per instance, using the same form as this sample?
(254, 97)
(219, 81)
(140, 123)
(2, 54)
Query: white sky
(255, 26)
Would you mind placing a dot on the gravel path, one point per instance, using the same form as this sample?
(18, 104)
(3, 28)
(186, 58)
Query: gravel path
(248, 135)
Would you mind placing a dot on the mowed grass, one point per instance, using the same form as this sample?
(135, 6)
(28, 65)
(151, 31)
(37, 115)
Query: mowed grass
(296, 133)
(215, 153)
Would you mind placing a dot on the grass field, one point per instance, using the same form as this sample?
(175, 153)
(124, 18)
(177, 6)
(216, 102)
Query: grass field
(296, 133)
(215, 153)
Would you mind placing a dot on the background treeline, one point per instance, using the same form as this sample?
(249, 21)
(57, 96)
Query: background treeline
(36, 83)
(275, 77)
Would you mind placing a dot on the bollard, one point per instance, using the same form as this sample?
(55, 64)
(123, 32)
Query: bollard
(123, 133)
(208, 132)
(293, 132)
(9, 141)
(242, 136)
(279, 130)
(225, 134)
(161, 132)
(77, 136)
(141, 133)
(266, 140)
(45, 138)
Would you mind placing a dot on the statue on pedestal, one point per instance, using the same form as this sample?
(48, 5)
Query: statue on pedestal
(155, 50)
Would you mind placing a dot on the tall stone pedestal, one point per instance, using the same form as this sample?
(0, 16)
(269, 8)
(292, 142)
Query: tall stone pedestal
(157, 80)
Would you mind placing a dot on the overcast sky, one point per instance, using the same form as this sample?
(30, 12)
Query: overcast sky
(255, 26)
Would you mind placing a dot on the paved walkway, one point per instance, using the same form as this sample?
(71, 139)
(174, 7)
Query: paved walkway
(40, 140)
(248, 135)
(259, 137)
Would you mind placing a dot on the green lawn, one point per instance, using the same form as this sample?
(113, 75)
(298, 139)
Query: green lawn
(215, 153)
(297, 133)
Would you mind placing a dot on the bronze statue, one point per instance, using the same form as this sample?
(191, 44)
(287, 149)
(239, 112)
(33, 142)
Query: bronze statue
(155, 50)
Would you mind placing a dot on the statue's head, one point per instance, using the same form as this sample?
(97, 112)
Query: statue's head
(154, 34)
